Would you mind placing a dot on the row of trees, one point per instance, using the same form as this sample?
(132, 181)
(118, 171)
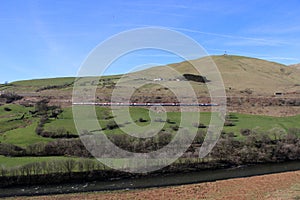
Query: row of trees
(66, 166)
(258, 148)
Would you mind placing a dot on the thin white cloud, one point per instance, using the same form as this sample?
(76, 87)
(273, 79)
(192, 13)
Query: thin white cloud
(200, 6)
(280, 58)
(274, 30)
(241, 40)
(238, 40)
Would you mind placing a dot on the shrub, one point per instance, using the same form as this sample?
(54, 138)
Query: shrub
(199, 138)
(39, 130)
(228, 123)
(112, 125)
(164, 138)
(245, 132)
(175, 128)
(247, 91)
(10, 97)
(231, 134)
(200, 125)
(170, 122)
(41, 107)
(7, 109)
(142, 120)
(11, 150)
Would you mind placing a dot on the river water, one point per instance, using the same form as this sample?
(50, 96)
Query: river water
(154, 181)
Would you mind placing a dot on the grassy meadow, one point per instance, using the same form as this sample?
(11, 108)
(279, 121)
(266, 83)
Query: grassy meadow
(240, 121)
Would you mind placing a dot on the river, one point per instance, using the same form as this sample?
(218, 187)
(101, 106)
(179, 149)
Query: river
(153, 181)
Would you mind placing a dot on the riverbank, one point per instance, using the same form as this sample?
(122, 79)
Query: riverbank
(274, 186)
(153, 181)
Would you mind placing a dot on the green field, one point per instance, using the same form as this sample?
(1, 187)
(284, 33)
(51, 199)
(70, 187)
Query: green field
(17, 131)
(263, 123)
(10, 115)
(23, 136)
(22, 132)
(241, 121)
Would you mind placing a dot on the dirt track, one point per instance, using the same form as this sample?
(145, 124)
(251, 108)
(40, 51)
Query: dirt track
(275, 186)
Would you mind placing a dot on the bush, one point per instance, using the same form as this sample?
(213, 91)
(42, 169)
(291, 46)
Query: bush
(112, 125)
(11, 150)
(246, 91)
(229, 123)
(231, 134)
(200, 125)
(199, 138)
(164, 138)
(170, 122)
(7, 109)
(42, 107)
(245, 132)
(10, 97)
(175, 128)
(39, 130)
(142, 120)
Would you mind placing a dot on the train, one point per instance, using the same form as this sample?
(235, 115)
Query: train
(144, 104)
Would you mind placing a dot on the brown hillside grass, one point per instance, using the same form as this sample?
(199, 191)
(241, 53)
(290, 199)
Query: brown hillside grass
(240, 73)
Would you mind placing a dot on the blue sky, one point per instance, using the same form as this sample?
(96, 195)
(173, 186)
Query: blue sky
(52, 38)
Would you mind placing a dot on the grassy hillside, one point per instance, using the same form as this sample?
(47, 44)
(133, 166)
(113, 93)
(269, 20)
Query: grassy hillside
(33, 85)
(296, 66)
(64, 85)
(238, 73)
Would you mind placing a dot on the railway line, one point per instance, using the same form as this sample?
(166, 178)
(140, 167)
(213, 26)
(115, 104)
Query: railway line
(144, 104)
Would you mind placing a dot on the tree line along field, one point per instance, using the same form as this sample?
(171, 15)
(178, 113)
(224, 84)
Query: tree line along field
(35, 139)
